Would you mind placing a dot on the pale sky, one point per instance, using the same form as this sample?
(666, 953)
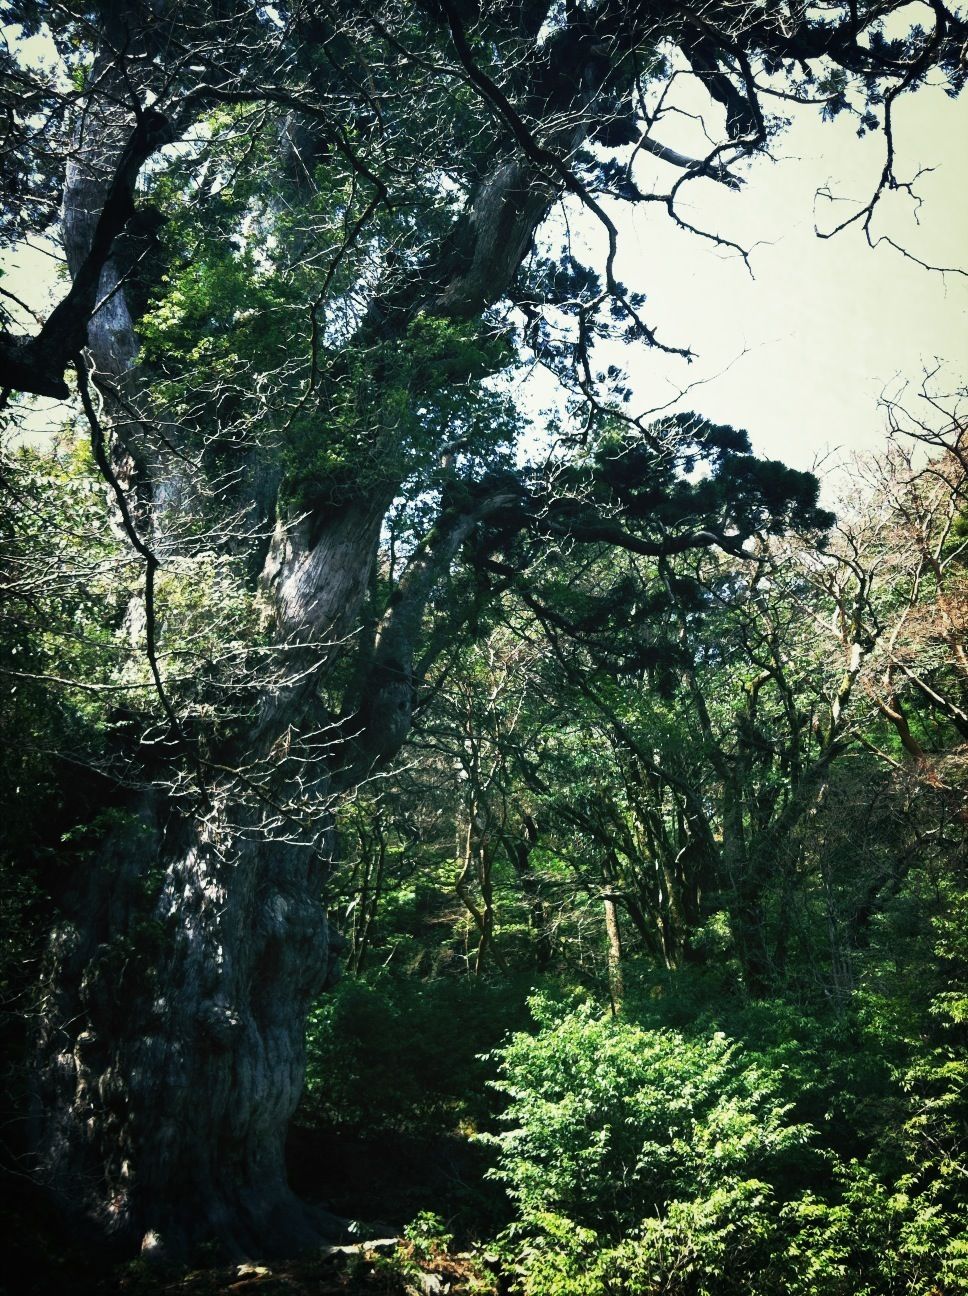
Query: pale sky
(827, 326)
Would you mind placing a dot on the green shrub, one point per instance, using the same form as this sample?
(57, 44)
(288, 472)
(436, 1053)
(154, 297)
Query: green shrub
(395, 1053)
(641, 1160)
(637, 1157)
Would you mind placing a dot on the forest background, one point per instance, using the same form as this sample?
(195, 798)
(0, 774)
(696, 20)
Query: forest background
(365, 611)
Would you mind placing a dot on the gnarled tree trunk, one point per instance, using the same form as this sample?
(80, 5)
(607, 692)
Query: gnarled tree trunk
(172, 1045)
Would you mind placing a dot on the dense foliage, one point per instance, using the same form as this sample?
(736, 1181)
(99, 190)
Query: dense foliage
(624, 782)
(716, 813)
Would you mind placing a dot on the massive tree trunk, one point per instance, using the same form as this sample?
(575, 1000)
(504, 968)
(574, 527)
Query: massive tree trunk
(172, 1045)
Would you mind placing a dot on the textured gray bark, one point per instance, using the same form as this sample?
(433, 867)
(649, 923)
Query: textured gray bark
(172, 1046)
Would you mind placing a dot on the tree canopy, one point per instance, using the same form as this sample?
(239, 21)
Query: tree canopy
(298, 519)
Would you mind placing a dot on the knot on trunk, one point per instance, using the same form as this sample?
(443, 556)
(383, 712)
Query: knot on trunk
(219, 1023)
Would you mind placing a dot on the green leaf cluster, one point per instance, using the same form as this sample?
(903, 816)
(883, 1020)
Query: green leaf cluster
(647, 1160)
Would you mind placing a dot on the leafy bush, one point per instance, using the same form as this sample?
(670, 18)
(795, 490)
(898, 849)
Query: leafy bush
(872, 1239)
(400, 1054)
(639, 1153)
(641, 1160)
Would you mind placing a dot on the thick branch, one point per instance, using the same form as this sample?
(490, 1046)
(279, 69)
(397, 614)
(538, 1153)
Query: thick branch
(611, 533)
(385, 715)
(37, 364)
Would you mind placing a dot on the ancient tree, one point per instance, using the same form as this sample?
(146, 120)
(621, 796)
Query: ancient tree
(301, 240)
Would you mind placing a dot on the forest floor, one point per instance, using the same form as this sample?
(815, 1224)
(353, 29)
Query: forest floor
(392, 1179)
(339, 1271)
(343, 1271)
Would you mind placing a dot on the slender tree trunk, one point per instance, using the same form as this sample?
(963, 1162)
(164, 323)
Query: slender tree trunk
(473, 859)
(519, 849)
(370, 902)
(485, 862)
(613, 950)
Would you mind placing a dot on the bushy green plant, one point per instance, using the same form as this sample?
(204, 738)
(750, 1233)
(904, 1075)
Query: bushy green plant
(644, 1160)
(639, 1156)
(611, 1122)
(871, 1238)
(394, 1053)
(427, 1235)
